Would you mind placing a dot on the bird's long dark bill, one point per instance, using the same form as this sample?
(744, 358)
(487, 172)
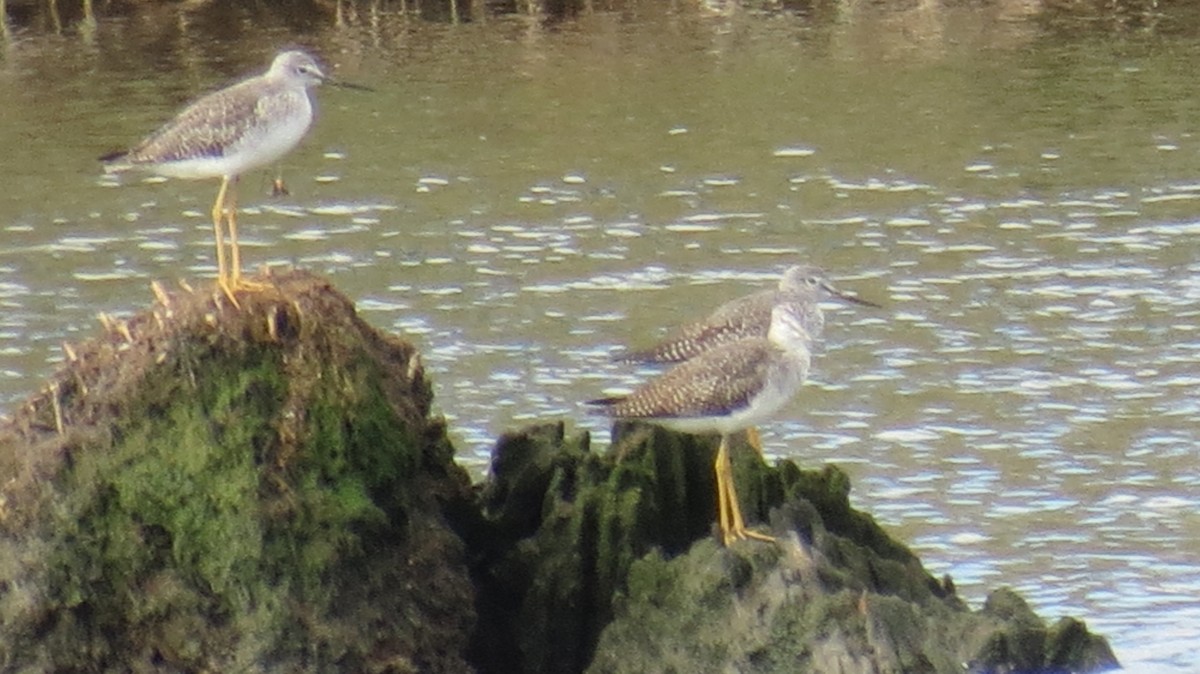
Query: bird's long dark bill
(347, 85)
(852, 299)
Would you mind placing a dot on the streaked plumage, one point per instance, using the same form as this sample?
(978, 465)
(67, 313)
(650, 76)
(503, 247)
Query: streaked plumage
(721, 390)
(228, 132)
(250, 124)
(726, 389)
(801, 289)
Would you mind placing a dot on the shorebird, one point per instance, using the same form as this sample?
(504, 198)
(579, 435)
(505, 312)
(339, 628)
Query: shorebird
(726, 389)
(801, 287)
(224, 134)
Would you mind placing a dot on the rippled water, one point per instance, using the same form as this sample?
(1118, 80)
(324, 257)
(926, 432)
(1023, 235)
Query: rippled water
(522, 198)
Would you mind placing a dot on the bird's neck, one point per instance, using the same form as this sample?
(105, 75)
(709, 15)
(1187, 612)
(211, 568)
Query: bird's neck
(786, 334)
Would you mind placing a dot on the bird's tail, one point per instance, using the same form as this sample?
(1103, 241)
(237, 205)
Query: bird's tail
(115, 162)
(604, 402)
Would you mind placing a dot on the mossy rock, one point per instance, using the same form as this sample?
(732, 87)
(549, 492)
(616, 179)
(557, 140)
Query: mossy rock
(215, 488)
(607, 563)
(262, 488)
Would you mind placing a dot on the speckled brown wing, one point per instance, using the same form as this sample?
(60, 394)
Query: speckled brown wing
(713, 384)
(210, 127)
(748, 316)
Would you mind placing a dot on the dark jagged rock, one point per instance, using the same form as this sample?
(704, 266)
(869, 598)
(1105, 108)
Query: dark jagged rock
(216, 489)
(623, 574)
(564, 525)
(263, 489)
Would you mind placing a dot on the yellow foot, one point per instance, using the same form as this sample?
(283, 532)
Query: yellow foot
(244, 284)
(729, 512)
(228, 289)
(732, 536)
(241, 284)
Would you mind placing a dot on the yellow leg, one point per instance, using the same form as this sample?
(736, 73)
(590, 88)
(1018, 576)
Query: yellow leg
(235, 281)
(729, 511)
(218, 214)
(754, 440)
(223, 280)
(278, 188)
(720, 467)
(235, 274)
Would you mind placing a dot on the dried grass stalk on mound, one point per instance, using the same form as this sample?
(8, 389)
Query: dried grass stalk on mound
(204, 487)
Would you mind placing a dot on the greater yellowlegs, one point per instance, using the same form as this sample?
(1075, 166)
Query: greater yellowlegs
(247, 125)
(724, 390)
(801, 287)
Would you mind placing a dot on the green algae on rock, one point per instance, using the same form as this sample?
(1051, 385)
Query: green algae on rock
(208, 488)
(563, 526)
(622, 573)
(264, 489)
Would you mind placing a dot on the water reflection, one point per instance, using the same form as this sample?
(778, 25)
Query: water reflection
(522, 201)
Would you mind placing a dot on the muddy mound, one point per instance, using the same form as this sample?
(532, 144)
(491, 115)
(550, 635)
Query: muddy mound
(261, 487)
(217, 488)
